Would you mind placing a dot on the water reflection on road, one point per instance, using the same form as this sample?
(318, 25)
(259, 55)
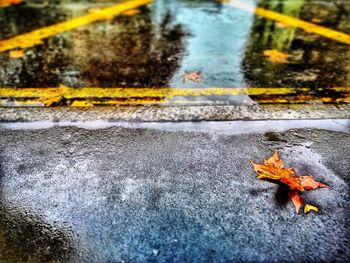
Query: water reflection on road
(26, 237)
(314, 60)
(157, 44)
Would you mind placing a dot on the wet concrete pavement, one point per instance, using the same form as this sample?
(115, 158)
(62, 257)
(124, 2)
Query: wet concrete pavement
(132, 194)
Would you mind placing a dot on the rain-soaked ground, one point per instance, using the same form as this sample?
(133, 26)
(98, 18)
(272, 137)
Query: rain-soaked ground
(156, 44)
(172, 192)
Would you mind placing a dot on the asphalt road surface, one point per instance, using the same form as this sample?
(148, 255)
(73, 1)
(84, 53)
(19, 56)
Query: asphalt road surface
(124, 194)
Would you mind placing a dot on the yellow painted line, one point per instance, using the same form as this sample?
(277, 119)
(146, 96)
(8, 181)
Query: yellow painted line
(291, 21)
(90, 103)
(150, 102)
(100, 92)
(35, 37)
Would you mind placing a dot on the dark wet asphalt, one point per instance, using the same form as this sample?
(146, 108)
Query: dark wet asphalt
(143, 195)
(155, 47)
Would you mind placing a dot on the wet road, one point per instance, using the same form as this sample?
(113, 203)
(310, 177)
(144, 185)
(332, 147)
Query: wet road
(154, 45)
(170, 193)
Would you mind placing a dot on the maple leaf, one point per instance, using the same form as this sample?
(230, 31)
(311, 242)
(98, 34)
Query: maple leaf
(273, 169)
(195, 76)
(276, 56)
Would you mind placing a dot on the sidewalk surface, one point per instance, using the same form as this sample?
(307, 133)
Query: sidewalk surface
(126, 194)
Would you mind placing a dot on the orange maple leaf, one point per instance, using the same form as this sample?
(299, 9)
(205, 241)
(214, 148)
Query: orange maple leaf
(273, 169)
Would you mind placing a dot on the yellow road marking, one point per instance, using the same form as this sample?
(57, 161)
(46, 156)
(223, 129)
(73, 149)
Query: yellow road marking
(145, 102)
(132, 96)
(100, 92)
(35, 37)
(291, 21)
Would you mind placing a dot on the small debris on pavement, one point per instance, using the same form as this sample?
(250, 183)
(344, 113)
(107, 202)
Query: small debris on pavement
(16, 53)
(309, 208)
(195, 76)
(276, 56)
(131, 12)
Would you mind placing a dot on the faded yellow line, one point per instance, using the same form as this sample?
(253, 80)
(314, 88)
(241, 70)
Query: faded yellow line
(145, 102)
(35, 37)
(100, 92)
(291, 21)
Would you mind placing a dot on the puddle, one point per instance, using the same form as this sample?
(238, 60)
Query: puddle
(155, 46)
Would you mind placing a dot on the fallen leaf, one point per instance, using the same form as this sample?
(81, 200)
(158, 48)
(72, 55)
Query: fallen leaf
(309, 183)
(309, 207)
(16, 53)
(273, 169)
(296, 199)
(195, 76)
(276, 56)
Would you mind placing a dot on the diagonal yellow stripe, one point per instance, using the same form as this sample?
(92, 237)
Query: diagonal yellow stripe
(35, 37)
(291, 21)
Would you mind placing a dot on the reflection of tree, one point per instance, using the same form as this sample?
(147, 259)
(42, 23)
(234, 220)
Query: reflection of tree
(40, 65)
(24, 18)
(125, 51)
(269, 33)
(128, 52)
(26, 238)
(315, 61)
